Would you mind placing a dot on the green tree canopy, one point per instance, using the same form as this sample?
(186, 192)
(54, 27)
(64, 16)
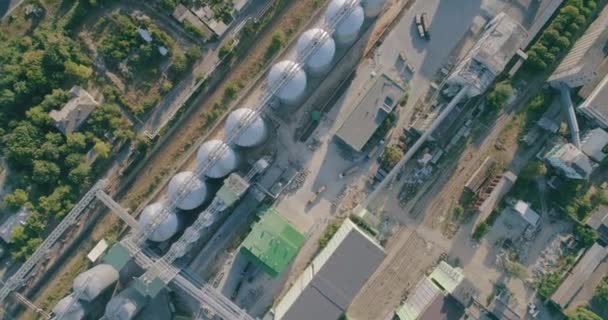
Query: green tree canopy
(45, 172)
(582, 313)
(391, 156)
(15, 200)
(499, 95)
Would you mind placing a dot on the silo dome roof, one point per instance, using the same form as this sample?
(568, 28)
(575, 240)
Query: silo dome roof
(166, 229)
(69, 308)
(350, 25)
(196, 192)
(293, 89)
(228, 160)
(125, 305)
(254, 134)
(325, 52)
(373, 7)
(94, 281)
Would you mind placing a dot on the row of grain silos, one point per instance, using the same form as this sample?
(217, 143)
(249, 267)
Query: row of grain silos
(319, 62)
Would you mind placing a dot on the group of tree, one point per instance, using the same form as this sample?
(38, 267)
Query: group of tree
(222, 9)
(123, 43)
(583, 313)
(47, 169)
(561, 33)
(391, 157)
(499, 94)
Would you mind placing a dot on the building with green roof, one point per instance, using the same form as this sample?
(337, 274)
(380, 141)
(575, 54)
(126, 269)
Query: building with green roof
(272, 243)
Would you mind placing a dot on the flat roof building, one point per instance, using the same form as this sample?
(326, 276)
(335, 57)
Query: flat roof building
(328, 285)
(525, 212)
(583, 270)
(75, 111)
(375, 105)
(569, 161)
(272, 243)
(501, 39)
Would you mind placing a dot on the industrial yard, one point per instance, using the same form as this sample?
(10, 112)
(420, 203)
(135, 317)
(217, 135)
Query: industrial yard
(396, 160)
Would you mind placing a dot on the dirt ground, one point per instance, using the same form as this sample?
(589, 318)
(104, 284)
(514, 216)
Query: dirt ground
(410, 256)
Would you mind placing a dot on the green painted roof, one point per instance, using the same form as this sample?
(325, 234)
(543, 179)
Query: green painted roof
(272, 243)
(228, 196)
(117, 256)
(447, 276)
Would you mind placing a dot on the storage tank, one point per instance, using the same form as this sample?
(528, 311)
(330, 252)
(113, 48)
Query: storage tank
(125, 305)
(94, 281)
(228, 160)
(348, 29)
(166, 229)
(294, 88)
(372, 8)
(254, 134)
(318, 62)
(69, 308)
(194, 194)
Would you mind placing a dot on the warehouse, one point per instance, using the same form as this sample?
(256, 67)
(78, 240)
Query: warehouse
(375, 105)
(326, 288)
(272, 243)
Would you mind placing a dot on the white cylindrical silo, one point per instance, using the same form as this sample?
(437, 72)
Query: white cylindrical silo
(372, 8)
(254, 134)
(125, 305)
(166, 229)
(226, 163)
(348, 29)
(94, 281)
(292, 90)
(191, 190)
(319, 62)
(69, 308)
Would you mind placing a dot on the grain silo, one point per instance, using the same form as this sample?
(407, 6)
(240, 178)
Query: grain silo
(191, 190)
(125, 305)
(317, 63)
(348, 29)
(166, 229)
(227, 158)
(254, 134)
(293, 89)
(372, 8)
(91, 283)
(69, 308)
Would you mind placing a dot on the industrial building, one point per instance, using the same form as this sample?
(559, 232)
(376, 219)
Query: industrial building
(91, 283)
(431, 299)
(75, 111)
(375, 105)
(348, 29)
(569, 161)
(272, 243)
(194, 190)
(328, 285)
(228, 159)
(582, 272)
(500, 41)
(319, 62)
(593, 144)
(166, 229)
(255, 133)
(293, 90)
(581, 64)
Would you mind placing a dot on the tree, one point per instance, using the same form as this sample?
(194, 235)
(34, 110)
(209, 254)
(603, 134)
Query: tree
(38, 116)
(178, 66)
(600, 197)
(499, 95)
(45, 172)
(80, 175)
(17, 199)
(391, 156)
(102, 149)
(585, 235)
(76, 142)
(73, 160)
(534, 170)
(481, 230)
(582, 313)
(516, 269)
(78, 72)
(23, 143)
(548, 284)
(192, 54)
(57, 203)
(602, 290)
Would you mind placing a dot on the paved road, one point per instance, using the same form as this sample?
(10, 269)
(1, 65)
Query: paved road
(7, 6)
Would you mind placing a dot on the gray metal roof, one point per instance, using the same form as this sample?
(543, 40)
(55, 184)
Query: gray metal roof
(579, 275)
(593, 143)
(326, 288)
(369, 113)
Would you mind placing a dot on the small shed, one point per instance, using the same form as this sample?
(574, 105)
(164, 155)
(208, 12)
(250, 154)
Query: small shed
(526, 212)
